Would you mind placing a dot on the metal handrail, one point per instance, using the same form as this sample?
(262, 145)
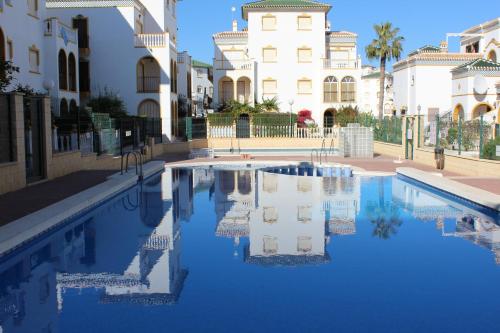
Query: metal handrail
(318, 156)
(139, 162)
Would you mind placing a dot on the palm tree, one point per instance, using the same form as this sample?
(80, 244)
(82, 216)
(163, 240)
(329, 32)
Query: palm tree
(385, 219)
(270, 104)
(387, 46)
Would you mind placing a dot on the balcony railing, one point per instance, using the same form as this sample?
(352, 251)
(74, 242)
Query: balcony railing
(151, 40)
(231, 65)
(339, 64)
(148, 84)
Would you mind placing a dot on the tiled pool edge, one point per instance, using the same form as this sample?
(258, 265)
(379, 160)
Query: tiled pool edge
(462, 191)
(25, 229)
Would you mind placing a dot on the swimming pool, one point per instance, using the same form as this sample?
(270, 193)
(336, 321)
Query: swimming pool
(217, 250)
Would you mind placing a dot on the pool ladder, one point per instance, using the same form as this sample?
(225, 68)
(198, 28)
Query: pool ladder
(322, 152)
(139, 162)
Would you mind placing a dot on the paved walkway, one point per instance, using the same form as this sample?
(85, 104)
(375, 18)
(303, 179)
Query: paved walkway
(17, 204)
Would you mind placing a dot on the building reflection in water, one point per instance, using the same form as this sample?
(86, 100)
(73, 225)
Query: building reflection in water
(128, 251)
(284, 230)
(452, 218)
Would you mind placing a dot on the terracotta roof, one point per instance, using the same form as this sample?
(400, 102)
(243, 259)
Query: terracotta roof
(439, 57)
(341, 34)
(478, 65)
(426, 49)
(231, 34)
(286, 4)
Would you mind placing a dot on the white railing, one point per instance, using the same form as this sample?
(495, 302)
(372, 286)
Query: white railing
(221, 132)
(265, 131)
(151, 40)
(340, 64)
(231, 65)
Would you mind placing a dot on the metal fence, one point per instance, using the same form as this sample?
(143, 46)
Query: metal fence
(101, 134)
(7, 150)
(465, 138)
(387, 130)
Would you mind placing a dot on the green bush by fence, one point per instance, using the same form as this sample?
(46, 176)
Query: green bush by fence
(274, 119)
(221, 119)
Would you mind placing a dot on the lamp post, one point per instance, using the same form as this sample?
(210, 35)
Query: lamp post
(291, 101)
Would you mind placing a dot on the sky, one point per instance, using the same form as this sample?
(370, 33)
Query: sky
(421, 22)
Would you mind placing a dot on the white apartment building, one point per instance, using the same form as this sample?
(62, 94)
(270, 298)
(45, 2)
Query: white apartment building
(128, 47)
(288, 52)
(370, 86)
(203, 87)
(45, 49)
(474, 90)
(433, 81)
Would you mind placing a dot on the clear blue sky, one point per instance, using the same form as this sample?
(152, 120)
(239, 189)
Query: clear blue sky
(421, 21)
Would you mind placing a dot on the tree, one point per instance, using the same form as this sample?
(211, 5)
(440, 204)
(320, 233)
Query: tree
(387, 46)
(108, 102)
(7, 70)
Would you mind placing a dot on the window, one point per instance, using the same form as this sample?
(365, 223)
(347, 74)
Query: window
(269, 88)
(330, 90)
(72, 72)
(269, 54)
(63, 70)
(304, 22)
(199, 89)
(304, 86)
(34, 59)
(270, 215)
(304, 54)
(304, 214)
(10, 49)
(268, 23)
(304, 244)
(270, 245)
(33, 7)
(348, 89)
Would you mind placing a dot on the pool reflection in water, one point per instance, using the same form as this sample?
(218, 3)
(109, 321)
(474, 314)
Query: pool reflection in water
(252, 251)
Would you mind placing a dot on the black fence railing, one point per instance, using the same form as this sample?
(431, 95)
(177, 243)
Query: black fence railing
(7, 149)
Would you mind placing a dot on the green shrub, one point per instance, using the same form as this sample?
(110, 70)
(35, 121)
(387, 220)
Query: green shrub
(108, 102)
(221, 119)
(273, 119)
(490, 148)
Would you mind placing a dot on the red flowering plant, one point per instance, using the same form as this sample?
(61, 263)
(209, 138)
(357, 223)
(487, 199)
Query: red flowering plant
(305, 119)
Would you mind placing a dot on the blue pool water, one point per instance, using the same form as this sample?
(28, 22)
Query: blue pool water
(209, 250)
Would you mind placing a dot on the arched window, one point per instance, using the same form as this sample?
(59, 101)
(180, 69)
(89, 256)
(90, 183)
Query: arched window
(2, 52)
(348, 89)
(149, 108)
(172, 81)
(73, 108)
(148, 75)
(63, 70)
(330, 90)
(175, 77)
(72, 72)
(226, 90)
(226, 182)
(63, 108)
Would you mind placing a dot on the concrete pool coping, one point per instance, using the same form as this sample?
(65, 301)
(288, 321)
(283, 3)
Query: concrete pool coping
(23, 230)
(467, 192)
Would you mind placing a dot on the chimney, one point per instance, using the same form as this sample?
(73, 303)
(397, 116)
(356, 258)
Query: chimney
(444, 47)
(235, 25)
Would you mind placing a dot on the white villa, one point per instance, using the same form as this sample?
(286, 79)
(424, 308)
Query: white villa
(370, 85)
(203, 87)
(143, 35)
(184, 79)
(288, 52)
(433, 81)
(45, 49)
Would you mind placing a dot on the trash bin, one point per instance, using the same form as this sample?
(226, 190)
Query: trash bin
(439, 157)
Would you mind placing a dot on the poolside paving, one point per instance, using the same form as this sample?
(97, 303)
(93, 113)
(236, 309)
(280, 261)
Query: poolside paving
(20, 203)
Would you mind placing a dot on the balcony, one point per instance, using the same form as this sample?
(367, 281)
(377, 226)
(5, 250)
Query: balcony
(340, 64)
(151, 40)
(233, 65)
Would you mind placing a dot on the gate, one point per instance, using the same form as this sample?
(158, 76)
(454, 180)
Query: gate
(243, 126)
(33, 135)
(409, 129)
